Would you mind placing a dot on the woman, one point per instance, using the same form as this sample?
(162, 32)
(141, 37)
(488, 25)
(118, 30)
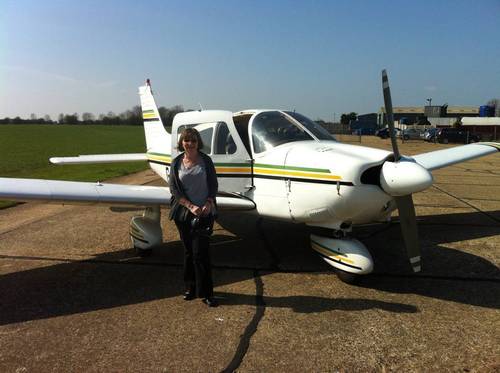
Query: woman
(193, 184)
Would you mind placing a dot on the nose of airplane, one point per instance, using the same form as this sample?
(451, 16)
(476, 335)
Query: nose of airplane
(404, 177)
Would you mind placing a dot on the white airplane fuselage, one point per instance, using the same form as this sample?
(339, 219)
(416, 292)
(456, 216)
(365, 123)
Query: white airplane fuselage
(313, 182)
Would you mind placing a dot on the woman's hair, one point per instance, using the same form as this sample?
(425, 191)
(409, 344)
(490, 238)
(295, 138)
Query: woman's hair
(189, 134)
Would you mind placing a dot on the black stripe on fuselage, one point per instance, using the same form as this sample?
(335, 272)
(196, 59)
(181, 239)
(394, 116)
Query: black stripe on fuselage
(303, 180)
(151, 120)
(159, 162)
(338, 261)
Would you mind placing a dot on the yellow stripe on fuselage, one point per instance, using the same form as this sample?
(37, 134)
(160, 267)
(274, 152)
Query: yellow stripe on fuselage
(245, 170)
(159, 158)
(330, 254)
(315, 175)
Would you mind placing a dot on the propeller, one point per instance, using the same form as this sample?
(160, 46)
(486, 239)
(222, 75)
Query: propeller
(400, 179)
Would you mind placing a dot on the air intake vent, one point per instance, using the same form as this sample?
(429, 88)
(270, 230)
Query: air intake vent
(371, 176)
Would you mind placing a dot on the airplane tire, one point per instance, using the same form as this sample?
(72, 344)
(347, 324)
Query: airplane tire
(348, 278)
(143, 253)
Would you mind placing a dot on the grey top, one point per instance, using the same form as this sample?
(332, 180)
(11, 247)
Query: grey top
(194, 181)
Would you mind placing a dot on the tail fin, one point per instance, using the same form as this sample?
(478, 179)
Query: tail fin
(157, 138)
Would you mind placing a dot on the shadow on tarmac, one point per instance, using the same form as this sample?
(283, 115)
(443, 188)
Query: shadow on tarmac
(311, 304)
(120, 278)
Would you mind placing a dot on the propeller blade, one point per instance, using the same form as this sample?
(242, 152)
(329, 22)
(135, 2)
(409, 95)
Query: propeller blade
(409, 229)
(394, 182)
(389, 114)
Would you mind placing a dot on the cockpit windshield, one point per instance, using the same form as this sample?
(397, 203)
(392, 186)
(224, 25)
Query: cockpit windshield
(316, 129)
(273, 128)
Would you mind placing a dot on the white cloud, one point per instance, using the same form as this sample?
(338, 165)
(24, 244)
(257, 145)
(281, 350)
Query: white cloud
(58, 77)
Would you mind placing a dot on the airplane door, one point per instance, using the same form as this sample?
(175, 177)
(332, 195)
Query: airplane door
(232, 161)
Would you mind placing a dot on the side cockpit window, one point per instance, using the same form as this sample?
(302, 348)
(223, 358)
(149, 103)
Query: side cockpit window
(315, 128)
(273, 128)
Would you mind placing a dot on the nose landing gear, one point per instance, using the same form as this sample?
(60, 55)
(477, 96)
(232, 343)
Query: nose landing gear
(348, 256)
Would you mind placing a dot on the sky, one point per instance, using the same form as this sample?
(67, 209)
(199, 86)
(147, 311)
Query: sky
(320, 58)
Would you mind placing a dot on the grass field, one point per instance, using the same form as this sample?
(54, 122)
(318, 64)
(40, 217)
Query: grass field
(25, 151)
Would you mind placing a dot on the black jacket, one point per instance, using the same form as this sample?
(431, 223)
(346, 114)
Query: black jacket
(175, 184)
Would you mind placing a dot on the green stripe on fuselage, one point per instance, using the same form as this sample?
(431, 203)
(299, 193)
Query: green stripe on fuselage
(294, 168)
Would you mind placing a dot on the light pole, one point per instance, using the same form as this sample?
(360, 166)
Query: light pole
(429, 100)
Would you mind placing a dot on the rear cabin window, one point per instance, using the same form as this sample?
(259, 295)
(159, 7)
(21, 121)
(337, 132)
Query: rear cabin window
(206, 137)
(224, 142)
(206, 133)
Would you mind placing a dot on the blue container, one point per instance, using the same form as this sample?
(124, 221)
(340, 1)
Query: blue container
(486, 111)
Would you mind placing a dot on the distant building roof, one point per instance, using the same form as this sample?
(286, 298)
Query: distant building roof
(405, 109)
(421, 110)
(463, 110)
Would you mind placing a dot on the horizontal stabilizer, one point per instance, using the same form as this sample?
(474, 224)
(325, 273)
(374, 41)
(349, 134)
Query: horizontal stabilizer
(446, 157)
(99, 158)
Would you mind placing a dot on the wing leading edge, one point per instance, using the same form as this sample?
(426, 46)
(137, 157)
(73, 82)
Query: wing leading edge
(446, 157)
(74, 192)
(99, 158)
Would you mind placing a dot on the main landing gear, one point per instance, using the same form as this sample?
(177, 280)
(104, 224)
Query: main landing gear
(145, 231)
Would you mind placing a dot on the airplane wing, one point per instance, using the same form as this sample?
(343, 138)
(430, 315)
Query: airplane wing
(99, 158)
(73, 192)
(446, 157)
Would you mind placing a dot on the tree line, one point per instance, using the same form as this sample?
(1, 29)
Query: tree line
(132, 117)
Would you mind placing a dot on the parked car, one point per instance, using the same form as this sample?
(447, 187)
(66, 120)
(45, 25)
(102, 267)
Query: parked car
(430, 134)
(446, 135)
(363, 131)
(411, 134)
(384, 132)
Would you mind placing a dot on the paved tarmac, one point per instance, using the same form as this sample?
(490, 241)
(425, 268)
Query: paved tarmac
(75, 297)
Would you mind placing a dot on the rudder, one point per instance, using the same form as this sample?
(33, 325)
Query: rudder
(157, 138)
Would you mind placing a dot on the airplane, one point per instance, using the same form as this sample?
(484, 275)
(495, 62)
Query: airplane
(276, 164)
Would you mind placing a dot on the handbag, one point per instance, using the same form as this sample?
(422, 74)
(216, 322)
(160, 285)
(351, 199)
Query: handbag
(181, 214)
(203, 225)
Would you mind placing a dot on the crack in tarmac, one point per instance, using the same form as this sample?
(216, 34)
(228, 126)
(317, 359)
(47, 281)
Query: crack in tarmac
(252, 326)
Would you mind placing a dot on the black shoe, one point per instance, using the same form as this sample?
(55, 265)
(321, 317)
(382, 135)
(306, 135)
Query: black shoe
(210, 302)
(188, 295)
